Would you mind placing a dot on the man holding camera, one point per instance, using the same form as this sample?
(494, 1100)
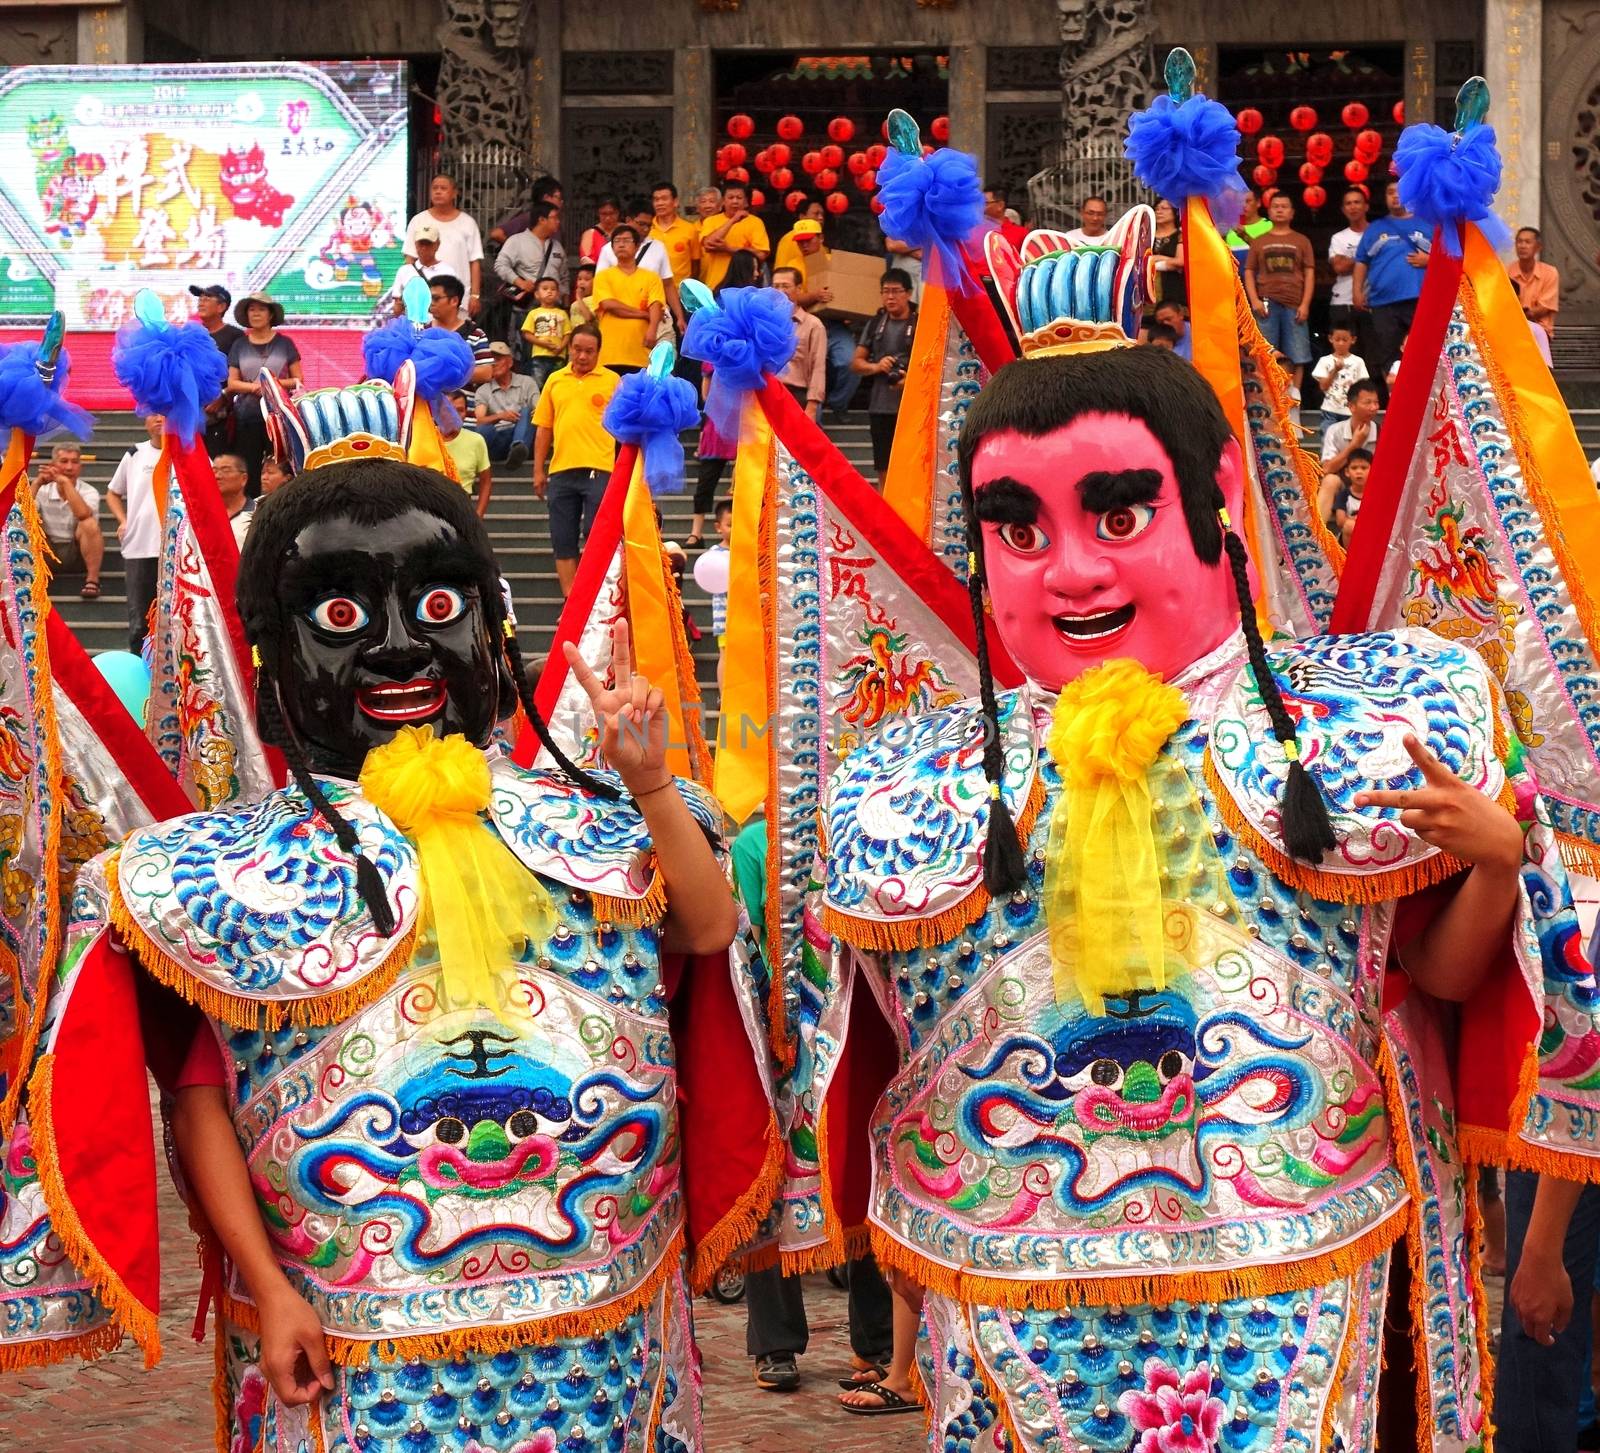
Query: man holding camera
(883, 354)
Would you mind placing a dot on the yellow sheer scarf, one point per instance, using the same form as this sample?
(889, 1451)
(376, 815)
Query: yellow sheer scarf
(480, 902)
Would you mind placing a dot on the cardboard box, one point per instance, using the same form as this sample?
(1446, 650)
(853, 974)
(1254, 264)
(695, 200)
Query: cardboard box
(854, 278)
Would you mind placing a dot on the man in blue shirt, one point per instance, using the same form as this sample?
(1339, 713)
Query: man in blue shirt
(1388, 277)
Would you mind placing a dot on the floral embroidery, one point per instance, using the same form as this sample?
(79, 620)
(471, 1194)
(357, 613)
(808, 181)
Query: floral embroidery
(1173, 1414)
(249, 1407)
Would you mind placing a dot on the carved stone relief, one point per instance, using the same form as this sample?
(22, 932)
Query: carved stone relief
(1571, 182)
(483, 102)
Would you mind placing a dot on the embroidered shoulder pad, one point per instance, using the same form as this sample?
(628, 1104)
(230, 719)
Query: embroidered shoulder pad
(253, 913)
(562, 832)
(1354, 699)
(908, 813)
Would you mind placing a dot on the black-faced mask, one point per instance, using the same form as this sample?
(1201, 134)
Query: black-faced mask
(384, 627)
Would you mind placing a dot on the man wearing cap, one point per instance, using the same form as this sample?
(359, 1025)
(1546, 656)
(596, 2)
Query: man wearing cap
(425, 265)
(211, 310)
(798, 249)
(503, 409)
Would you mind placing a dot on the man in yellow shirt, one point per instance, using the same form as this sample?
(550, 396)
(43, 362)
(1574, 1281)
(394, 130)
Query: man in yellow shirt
(628, 303)
(678, 235)
(572, 453)
(734, 229)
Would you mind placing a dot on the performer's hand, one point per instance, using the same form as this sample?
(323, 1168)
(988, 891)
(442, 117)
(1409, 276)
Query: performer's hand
(294, 1355)
(1453, 816)
(1541, 1292)
(630, 714)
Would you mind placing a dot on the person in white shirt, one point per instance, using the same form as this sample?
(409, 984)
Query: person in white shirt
(1342, 259)
(652, 257)
(68, 514)
(1337, 372)
(232, 476)
(132, 498)
(426, 265)
(460, 244)
(1093, 231)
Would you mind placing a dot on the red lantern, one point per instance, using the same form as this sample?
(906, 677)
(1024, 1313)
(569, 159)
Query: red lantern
(1264, 176)
(779, 154)
(1319, 148)
(1302, 118)
(841, 128)
(758, 199)
(781, 177)
(1249, 121)
(832, 156)
(877, 206)
(811, 163)
(740, 126)
(940, 129)
(876, 154)
(1399, 113)
(883, 131)
(827, 179)
(837, 202)
(1368, 146)
(735, 154)
(1354, 115)
(1355, 171)
(867, 180)
(1310, 172)
(1267, 194)
(1315, 197)
(737, 174)
(1269, 151)
(722, 165)
(858, 163)
(791, 128)
(794, 201)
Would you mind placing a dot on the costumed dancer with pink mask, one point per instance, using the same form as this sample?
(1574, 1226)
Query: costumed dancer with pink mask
(1162, 937)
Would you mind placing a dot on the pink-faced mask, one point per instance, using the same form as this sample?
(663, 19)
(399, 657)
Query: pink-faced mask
(1105, 567)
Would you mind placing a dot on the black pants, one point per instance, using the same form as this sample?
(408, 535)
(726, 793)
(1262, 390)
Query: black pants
(707, 477)
(140, 578)
(777, 1311)
(882, 426)
(1390, 324)
(250, 444)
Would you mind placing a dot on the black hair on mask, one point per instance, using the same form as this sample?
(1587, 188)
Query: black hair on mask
(1035, 397)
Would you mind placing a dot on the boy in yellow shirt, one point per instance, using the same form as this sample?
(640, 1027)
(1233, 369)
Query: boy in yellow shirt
(628, 303)
(734, 229)
(545, 330)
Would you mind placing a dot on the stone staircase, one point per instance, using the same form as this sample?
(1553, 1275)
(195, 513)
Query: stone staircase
(518, 527)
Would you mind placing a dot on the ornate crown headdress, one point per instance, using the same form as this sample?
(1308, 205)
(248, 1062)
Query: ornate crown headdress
(1063, 297)
(368, 420)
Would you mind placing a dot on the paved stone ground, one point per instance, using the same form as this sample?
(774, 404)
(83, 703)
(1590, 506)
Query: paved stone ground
(115, 1406)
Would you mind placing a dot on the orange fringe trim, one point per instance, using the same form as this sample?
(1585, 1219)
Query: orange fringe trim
(236, 1010)
(1480, 1303)
(901, 935)
(129, 1313)
(1156, 1288)
(741, 1221)
(688, 682)
(634, 912)
(1377, 887)
(1275, 381)
(85, 1347)
(1579, 855)
(44, 706)
(1341, 1372)
(1485, 1145)
(484, 1341)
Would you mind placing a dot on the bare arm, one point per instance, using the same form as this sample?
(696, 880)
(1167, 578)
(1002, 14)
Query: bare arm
(1342, 266)
(485, 489)
(1358, 285)
(477, 278)
(1250, 292)
(541, 458)
(861, 363)
(1541, 1291)
(294, 1356)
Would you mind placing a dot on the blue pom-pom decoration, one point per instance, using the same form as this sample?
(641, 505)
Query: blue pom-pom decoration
(653, 412)
(443, 359)
(175, 372)
(1184, 150)
(749, 334)
(1447, 178)
(28, 403)
(935, 203)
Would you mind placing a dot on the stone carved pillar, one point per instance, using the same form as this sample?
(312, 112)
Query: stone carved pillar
(1107, 71)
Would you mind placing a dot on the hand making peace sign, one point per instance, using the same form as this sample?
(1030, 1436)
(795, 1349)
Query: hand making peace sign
(631, 716)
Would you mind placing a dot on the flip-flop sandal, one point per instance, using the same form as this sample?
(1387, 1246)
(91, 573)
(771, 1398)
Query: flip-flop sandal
(891, 1401)
(872, 1372)
(90, 591)
(694, 542)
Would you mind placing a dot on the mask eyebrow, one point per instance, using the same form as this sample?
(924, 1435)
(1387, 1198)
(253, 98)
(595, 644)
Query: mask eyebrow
(1007, 501)
(305, 578)
(1114, 489)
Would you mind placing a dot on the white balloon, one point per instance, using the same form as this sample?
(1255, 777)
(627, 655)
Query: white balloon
(711, 572)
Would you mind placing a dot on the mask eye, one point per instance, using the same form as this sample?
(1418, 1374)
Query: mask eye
(522, 1124)
(1124, 522)
(441, 604)
(1024, 539)
(1171, 1065)
(1106, 1073)
(339, 615)
(450, 1130)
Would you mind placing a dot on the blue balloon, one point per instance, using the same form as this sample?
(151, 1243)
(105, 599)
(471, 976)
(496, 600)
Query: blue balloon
(129, 677)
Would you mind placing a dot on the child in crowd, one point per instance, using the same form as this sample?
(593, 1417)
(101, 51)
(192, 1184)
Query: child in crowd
(1347, 498)
(1336, 371)
(582, 311)
(723, 520)
(1158, 335)
(545, 330)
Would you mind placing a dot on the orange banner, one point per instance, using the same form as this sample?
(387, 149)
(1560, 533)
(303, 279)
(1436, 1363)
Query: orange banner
(908, 486)
(650, 614)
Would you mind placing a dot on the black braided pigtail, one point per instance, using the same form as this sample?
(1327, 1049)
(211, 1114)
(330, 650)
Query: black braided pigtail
(1307, 830)
(275, 732)
(1005, 864)
(569, 769)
